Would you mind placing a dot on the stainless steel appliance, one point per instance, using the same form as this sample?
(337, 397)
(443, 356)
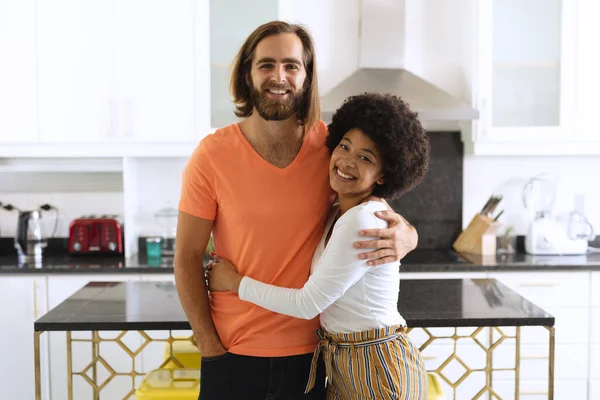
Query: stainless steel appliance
(30, 239)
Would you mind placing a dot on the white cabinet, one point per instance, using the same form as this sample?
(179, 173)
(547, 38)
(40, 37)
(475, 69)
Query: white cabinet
(18, 121)
(565, 295)
(75, 71)
(549, 289)
(588, 65)
(156, 69)
(595, 291)
(538, 390)
(594, 389)
(121, 71)
(23, 300)
(60, 287)
(536, 79)
(595, 333)
(526, 69)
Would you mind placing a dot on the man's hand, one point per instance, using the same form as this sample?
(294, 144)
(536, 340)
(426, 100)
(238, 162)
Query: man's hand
(394, 242)
(215, 350)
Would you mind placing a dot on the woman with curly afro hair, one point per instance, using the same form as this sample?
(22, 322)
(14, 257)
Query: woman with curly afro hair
(379, 150)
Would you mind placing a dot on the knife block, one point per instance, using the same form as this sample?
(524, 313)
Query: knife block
(479, 237)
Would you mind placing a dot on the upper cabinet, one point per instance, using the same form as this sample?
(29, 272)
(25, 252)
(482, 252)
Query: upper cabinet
(156, 70)
(532, 77)
(116, 78)
(113, 72)
(18, 119)
(588, 70)
(77, 101)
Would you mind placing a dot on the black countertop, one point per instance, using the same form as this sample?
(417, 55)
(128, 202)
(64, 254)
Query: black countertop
(416, 261)
(423, 303)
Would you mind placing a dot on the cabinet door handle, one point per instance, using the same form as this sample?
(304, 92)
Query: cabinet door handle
(537, 284)
(427, 358)
(534, 357)
(128, 118)
(484, 115)
(112, 117)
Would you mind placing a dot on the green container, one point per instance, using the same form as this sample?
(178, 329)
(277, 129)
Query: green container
(153, 247)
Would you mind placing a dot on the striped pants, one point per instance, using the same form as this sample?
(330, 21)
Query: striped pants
(376, 364)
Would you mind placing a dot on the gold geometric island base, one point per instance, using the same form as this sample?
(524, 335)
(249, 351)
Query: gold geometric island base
(494, 337)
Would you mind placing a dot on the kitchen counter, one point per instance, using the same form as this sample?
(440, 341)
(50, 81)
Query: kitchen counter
(422, 303)
(416, 261)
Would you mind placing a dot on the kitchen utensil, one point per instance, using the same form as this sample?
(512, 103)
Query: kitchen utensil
(491, 205)
(499, 215)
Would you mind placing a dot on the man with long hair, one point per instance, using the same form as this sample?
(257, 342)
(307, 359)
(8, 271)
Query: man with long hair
(261, 186)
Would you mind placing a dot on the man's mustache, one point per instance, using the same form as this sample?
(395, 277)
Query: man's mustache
(277, 87)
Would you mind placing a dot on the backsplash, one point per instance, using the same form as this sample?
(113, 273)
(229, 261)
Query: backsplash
(435, 206)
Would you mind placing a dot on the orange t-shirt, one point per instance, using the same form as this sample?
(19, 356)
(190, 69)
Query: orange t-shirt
(268, 222)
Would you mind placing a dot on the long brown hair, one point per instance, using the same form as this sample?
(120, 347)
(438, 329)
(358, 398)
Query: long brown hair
(310, 111)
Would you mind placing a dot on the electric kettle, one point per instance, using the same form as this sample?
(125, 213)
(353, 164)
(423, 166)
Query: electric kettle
(30, 239)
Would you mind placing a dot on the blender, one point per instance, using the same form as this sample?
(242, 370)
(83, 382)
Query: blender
(167, 220)
(548, 235)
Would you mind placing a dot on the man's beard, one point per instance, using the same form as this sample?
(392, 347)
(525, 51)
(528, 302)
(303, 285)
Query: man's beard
(275, 109)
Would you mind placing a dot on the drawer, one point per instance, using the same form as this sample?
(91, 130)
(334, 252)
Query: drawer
(595, 325)
(595, 361)
(595, 289)
(570, 363)
(537, 390)
(595, 389)
(572, 326)
(556, 289)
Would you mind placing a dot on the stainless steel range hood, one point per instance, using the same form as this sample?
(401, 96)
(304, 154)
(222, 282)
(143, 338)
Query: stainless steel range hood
(431, 102)
(390, 42)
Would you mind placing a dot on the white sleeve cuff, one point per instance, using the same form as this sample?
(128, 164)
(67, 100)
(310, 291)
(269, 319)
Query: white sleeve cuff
(243, 288)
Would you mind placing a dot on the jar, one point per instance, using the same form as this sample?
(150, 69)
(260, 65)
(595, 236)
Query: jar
(153, 247)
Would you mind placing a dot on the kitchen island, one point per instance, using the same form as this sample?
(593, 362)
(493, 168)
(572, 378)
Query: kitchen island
(469, 328)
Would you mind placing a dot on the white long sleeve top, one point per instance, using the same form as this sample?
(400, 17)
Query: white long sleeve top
(350, 295)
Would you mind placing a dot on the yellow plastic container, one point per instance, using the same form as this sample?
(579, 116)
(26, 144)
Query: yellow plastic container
(185, 352)
(434, 387)
(170, 384)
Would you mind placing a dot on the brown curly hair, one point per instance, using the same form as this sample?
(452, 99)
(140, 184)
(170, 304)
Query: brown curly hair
(396, 131)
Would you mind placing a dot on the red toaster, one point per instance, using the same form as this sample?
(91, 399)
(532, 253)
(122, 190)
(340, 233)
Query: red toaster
(96, 234)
